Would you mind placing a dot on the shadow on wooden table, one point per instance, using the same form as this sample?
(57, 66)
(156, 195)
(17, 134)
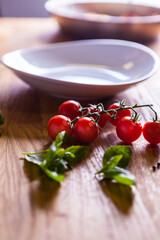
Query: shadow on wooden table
(152, 154)
(43, 192)
(32, 171)
(62, 35)
(121, 195)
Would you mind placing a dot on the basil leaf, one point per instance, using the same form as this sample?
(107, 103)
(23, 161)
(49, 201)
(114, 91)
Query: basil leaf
(62, 138)
(75, 154)
(53, 157)
(128, 180)
(38, 160)
(114, 161)
(55, 150)
(111, 163)
(34, 158)
(52, 174)
(1, 118)
(126, 151)
(55, 160)
(121, 176)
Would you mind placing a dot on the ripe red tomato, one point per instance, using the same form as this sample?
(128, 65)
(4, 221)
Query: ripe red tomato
(58, 124)
(70, 109)
(102, 119)
(86, 130)
(128, 130)
(151, 132)
(119, 115)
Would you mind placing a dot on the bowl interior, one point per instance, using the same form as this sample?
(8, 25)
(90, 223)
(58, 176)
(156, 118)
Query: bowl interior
(90, 7)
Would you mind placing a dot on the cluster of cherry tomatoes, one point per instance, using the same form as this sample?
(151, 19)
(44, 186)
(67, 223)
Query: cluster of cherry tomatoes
(85, 123)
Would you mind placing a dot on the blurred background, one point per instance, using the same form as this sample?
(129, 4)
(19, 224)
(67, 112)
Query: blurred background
(22, 8)
(35, 8)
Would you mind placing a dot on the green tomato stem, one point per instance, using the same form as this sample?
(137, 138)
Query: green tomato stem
(113, 111)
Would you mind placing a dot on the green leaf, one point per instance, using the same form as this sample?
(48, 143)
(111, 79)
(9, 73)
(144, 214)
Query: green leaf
(38, 160)
(113, 162)
(55, 160)
(126, 151)
(128, 180)
(115, 159)
(120, 175)
(52, 174)
(62, 138)
(55, 150)
(75, 154)
(1, 118)
(34, 158)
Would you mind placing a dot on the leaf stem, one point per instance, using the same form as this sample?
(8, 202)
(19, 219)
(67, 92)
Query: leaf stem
(34, 153)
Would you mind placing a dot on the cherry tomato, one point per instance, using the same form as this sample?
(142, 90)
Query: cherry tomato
(151, 132)
(70, 109)
(119, 115)
(128, 130)
(102, 119)
(58, 124)
(86, 130)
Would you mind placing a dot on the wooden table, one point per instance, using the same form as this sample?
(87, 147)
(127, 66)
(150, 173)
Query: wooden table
(35, 208)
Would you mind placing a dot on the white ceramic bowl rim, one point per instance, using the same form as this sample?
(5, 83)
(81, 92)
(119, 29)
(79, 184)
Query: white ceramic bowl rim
(87, 42)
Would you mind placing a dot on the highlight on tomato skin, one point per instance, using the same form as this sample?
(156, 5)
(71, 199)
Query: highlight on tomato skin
(151, 132)
(70, 109)
(128, 130)
(86, 130)
(119, 115)
(58, 124)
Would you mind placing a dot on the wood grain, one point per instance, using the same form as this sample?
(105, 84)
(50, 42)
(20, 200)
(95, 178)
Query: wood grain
(82, 207)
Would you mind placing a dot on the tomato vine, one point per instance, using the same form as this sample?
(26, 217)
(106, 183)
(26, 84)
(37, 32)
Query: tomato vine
(85, 121)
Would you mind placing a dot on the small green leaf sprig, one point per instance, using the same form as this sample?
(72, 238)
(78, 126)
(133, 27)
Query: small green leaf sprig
(115, 161)
(55, 160)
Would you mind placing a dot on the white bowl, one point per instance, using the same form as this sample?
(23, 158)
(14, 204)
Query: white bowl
(105, 18)
(85, 69)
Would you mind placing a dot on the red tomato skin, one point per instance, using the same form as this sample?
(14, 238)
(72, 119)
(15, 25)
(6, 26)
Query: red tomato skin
(119, 115)
(102, 119)
(70, 109)
(58, 124)
(86, 130)
(128, 130)
(151, 132)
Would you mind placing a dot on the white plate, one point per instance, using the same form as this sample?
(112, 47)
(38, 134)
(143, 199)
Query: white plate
(132, 20)
(85, 69)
